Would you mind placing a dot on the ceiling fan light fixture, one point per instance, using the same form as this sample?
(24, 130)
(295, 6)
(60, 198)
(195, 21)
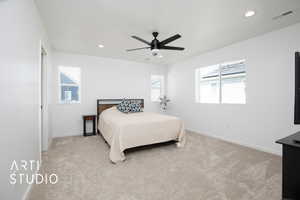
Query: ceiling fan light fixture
(250, 13)
(155, 52)
(101, 46)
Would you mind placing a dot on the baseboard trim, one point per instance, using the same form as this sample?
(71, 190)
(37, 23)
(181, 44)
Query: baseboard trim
(238, 143)
(29, 187)
(25, 196)
(67, 135)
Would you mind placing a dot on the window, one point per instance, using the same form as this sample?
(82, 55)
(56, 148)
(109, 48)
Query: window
(69, 84)
(223, 83)
(157, 87)
(233, 85)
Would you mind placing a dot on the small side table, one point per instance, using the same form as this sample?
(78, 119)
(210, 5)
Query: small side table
(89, 118)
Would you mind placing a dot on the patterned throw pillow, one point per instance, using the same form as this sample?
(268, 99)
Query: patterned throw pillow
(135, 106)
(124, 106)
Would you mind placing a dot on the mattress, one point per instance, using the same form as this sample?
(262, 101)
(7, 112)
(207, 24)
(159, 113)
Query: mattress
(123, 131)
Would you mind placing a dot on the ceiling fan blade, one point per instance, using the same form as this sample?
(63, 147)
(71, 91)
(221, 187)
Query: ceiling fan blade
(170, 39)
(138, 49)
(141, 40)
(172, 48)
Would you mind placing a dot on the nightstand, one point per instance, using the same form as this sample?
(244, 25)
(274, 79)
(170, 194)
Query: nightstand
(89, 118)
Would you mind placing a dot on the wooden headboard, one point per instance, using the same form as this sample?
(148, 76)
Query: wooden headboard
(103, 104)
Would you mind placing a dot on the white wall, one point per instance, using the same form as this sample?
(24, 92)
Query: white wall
(20, 36)
(268, 113)
(100, 78)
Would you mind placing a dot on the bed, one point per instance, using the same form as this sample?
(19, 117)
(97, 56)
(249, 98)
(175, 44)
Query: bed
(123, 131)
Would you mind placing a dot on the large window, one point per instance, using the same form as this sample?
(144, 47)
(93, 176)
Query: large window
(223, 83)
(157, 87)
(69, 84)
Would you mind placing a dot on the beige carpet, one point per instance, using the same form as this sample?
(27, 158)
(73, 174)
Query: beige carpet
(205, 169)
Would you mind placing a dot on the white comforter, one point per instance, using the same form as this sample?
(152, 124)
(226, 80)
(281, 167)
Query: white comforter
(123, 131)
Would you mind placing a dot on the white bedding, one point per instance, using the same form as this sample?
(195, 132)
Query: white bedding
(123, 131)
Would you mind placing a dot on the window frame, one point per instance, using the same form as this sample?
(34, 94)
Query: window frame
(220, 66)
(162, 86)
(60, 87)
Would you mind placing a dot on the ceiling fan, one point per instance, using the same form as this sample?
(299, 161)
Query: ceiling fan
(155, 45)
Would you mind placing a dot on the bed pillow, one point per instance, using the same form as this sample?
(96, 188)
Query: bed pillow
(124, 106)
(135, 106)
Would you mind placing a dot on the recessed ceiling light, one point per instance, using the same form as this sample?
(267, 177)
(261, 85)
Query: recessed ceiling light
(250, 13)
(100, 45)
(160, 56)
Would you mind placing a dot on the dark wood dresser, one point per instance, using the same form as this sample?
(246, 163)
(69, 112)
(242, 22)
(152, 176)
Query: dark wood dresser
(290, 167)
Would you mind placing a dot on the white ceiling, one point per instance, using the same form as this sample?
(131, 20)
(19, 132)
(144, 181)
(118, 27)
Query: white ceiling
(78, 26)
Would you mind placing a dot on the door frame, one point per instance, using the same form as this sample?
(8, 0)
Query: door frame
(42, 96)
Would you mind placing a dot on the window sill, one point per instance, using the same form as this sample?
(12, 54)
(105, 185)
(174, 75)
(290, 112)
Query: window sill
(221, 103)
(68, 103)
